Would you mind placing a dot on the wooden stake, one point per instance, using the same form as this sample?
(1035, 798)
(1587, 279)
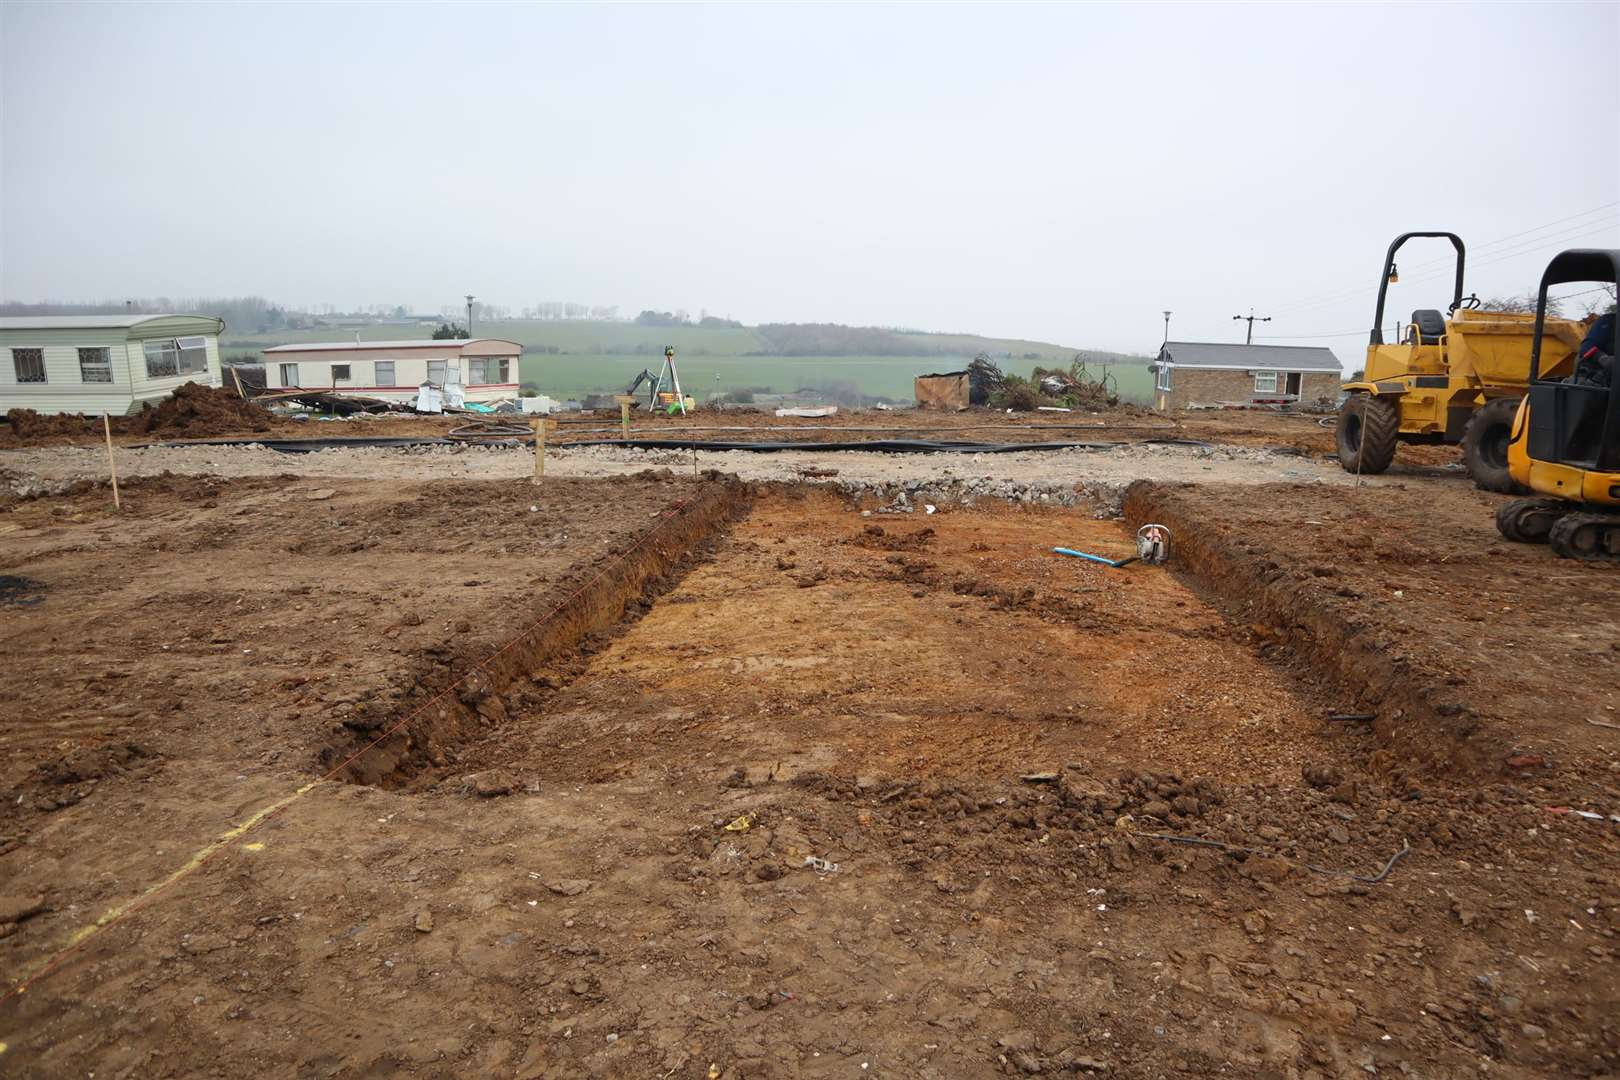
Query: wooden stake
(624, 420)
(112, 463)
(241, 393)
(540, 447)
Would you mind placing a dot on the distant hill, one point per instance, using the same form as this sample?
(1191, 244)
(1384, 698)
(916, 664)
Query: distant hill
(594, 338)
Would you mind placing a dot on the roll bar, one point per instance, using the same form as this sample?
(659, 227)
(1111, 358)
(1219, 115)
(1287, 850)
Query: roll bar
(1377, 337)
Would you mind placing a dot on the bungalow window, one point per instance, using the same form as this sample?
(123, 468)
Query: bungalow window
(95, 365)
(1265, 382)
(29, 365)
(490, 370)
(340, 373)
(385, 373)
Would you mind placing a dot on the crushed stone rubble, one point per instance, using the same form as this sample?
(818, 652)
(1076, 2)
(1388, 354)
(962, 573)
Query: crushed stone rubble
(1060, 478)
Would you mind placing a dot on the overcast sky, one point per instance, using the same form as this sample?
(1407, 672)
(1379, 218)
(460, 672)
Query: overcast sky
(1053, 172)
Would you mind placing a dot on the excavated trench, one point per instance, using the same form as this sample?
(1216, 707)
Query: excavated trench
(454, 700)
(1416, 717)
(443, 725)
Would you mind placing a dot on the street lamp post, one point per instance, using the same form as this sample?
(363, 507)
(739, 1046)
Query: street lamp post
(470, 299)
(1167, 328)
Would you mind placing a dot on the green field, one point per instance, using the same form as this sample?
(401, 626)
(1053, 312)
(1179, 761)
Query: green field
(571, 376)
(602, 358)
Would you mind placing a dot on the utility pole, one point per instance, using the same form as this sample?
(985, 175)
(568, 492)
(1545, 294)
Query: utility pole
(1251, 318)
(470, 299)
(1166, 328)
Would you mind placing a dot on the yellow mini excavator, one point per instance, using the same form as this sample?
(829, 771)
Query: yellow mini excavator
(1565, 442)
(1449, 378)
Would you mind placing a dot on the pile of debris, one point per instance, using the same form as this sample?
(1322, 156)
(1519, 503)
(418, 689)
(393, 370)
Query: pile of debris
(1075, 389)
(192, 410)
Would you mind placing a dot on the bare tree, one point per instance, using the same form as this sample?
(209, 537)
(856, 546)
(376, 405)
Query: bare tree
(1522, 305)
(1600, 302)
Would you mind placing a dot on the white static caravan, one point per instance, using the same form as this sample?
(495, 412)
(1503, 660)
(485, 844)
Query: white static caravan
(485, 368)
(103, 363)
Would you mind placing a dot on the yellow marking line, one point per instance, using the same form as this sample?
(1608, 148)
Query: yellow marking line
(118, 911)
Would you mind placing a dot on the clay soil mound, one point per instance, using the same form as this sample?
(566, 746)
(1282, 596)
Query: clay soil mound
(192, 410)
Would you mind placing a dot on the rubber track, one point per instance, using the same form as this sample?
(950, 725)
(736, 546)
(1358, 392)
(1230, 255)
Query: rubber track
(1563, 531)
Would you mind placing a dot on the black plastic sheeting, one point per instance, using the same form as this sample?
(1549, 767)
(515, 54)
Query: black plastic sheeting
(879, 446)
(309, 446)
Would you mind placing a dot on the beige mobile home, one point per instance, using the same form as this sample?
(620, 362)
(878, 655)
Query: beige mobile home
(485, 368)
(103, 363)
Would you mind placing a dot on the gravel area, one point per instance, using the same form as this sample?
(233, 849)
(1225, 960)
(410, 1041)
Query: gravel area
(1057, 475)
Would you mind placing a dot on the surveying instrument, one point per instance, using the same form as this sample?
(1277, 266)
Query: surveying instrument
(674, 378)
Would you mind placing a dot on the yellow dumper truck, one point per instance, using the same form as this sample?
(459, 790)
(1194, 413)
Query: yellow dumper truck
(1455, 377)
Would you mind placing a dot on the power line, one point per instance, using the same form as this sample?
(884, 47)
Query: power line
(1583, 292)
(1541, 243)
(1358, 333)
(1559, 236)
(1536, 245)
(1483, 248)
(1332, 294)
(1300, 337)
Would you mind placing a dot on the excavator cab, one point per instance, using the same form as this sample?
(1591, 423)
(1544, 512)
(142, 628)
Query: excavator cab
(1565, 443)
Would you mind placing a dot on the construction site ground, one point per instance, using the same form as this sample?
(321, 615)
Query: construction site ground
(1239, 427)
(669, 775)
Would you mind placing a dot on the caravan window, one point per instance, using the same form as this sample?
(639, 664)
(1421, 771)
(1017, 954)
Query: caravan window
(193, 355)
(385, 373)
(162, 358)
(167, 357)
(95, 365)
(29, 365)
(489, 370)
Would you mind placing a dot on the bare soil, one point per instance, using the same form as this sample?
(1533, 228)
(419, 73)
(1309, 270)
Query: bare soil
(530, 871)
(1306, 433)
(1477, 655)
(192, 411)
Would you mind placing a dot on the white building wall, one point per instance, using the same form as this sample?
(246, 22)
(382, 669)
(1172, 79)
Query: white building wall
(315, 372)
(410, 372)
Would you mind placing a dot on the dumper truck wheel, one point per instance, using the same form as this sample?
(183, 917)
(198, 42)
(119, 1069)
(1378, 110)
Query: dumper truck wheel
(1485, 446)
(1366, 433)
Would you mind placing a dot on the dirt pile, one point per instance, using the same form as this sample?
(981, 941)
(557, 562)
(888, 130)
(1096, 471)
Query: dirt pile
(192, 410)
(200, 410)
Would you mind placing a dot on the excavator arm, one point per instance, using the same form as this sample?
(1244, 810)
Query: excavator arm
(652, 386)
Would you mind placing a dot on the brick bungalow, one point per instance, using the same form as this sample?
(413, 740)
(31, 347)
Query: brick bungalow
(1205, 373)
